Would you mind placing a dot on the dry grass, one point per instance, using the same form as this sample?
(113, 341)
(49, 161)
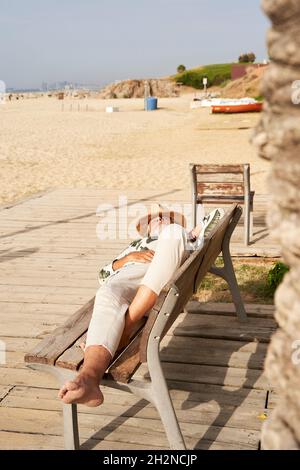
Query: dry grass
(252, 280)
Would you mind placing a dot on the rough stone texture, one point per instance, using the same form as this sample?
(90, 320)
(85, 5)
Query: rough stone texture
(278, 139)
(161, 88)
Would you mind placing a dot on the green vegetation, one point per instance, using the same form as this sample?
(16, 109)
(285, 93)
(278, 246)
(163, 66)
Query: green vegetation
(226, 82)
(259, 98)
(181, 68)
(257, 282)
(247, 58)
(276, 275)
(216, 74)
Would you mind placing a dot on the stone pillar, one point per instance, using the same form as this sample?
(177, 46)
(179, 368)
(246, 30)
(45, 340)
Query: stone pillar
(278, 139)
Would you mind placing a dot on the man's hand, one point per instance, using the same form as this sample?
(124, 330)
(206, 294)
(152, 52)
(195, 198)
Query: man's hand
(196, 231)
(141, 256)
(138, 256)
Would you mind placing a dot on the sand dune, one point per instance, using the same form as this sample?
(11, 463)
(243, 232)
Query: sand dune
(43, 147)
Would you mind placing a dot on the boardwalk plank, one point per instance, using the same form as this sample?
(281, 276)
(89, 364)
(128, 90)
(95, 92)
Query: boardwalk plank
(127, 429)
(50, 262)
(216, 326)
(217, 375)
(181, 391)
(52, 347)
(212, 308)
(24, 441)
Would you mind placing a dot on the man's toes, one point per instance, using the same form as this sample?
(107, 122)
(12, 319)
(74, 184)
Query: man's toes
(82, 346)
(67, 399)
(62, 391)
(68, 387)
(71, 386)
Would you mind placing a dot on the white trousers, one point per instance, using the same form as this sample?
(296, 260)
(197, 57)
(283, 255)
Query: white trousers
(114, 297)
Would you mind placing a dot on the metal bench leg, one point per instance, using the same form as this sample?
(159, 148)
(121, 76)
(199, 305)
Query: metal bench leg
(194, 193)
(156, 392)
(247, 222)
(228, 274)
(251, 223)
(233, 286)
(160, 396)
(71, 434)
(159, 389)
(162, 400)
(248, 203)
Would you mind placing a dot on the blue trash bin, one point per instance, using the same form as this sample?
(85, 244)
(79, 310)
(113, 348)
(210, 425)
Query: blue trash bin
(151, 104)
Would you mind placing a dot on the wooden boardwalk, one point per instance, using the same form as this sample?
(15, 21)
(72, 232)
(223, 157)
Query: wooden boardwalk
(50, 255)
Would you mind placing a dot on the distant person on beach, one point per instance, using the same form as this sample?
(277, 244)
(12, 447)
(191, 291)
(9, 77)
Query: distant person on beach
(130, 286)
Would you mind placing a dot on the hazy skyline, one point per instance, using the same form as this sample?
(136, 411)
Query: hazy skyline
(98, 41)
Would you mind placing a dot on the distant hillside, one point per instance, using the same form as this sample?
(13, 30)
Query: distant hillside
(249, 85)
(219, 75)
(216, 74)
(162, 88)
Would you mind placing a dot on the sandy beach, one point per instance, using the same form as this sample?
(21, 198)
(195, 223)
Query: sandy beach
(43, 147)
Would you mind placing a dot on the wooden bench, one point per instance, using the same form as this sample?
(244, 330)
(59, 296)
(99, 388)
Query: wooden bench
(223, 184)
(60, 354)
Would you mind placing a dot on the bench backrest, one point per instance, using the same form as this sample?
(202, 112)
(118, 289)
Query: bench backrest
(220, 182)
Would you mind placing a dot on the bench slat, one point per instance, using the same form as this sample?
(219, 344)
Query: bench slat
(127, 363)
(204, 177)
(62, 337)
(72, 358)
(220, 189)
(218, 199)
(219, 168)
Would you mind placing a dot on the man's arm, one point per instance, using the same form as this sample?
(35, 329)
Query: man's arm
(138, 256)
(127, 255)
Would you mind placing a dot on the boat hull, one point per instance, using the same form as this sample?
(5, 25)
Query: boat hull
(237, 108)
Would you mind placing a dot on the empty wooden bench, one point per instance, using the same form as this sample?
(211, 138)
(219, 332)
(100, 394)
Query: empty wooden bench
(60, 355)
(223, 184)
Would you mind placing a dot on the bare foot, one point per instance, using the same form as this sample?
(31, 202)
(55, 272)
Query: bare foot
(83, 389)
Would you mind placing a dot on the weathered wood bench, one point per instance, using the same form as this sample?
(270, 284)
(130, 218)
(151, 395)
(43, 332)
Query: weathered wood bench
(223, 184)
(60, 354)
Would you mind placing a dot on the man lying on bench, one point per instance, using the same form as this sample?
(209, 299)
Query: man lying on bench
(129, 288)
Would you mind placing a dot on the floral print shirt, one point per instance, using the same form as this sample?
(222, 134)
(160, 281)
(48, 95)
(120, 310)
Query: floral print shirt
(141, 244)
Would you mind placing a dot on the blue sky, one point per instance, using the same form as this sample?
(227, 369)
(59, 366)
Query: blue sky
(98, 41)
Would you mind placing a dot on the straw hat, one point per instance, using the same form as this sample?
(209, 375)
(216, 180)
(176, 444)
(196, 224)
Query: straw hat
(158, 210)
